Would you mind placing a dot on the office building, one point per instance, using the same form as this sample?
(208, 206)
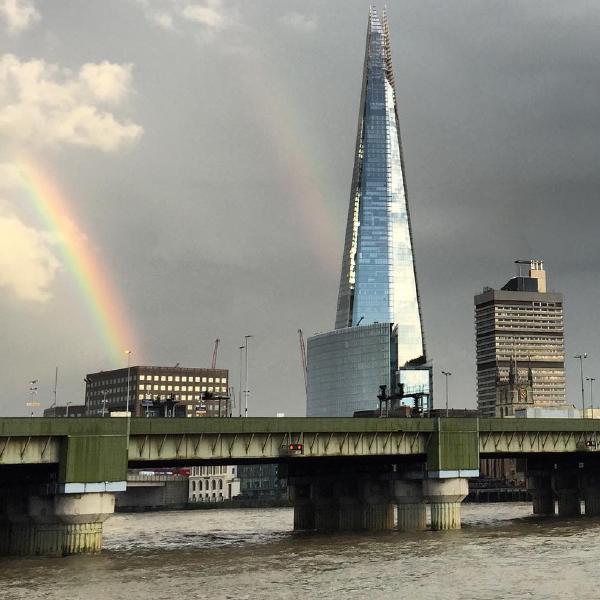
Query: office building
(378, 326)
(153, 391)
(520, 339)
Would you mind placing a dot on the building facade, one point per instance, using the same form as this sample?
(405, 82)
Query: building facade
(213, 483)
(180, 391)
(378, 284)
(262, 481)
(520, 326)
(347, 366)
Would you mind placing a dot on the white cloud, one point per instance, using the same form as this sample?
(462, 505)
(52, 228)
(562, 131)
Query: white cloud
(27, 264)
(211, 16)
(299, 22)
(45, 104)
(10, 178)
(18, 14)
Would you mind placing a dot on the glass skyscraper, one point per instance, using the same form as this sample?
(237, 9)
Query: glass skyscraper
(378, 282)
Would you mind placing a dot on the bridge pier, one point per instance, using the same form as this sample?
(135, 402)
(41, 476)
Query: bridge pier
(566, 487)
(341, 499)
(378, 509)
(54, 525)
(445, 497)
(539, 485)
(83, 516)
(590, 487)
(304, 508)
(412, 510)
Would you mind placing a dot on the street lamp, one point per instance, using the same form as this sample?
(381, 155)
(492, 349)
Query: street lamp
(446, 374)
(240, 388)
(581, 357)
(33, 389)
(104, 392)
(128, 352)
(591, 380)
(247, 390)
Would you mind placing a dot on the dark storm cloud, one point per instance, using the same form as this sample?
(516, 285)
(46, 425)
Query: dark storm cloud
(200, 221)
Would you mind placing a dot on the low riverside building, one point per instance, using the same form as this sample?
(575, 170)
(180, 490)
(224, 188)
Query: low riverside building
(194, 392)
(214, 483)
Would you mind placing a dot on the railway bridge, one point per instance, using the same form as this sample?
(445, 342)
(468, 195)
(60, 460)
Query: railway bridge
(58, 476)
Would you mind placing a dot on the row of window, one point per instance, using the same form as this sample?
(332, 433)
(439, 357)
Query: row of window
(182, 388)
(206, 485)
(207, 497)
(183, 378)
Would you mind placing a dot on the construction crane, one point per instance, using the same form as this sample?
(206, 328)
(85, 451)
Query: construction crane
(303, 354)
(213, 364)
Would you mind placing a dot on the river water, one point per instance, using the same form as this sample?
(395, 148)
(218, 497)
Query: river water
(501, 552)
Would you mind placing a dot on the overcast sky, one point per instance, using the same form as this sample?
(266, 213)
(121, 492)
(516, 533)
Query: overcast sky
(206, 150)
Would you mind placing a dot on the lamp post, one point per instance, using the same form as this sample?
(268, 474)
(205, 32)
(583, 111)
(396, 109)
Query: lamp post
(33, 389)
(581, 357)
(240, 388)
(128, 352)
(446, 374)
(591, 380)
(104, 392)
(247, 390)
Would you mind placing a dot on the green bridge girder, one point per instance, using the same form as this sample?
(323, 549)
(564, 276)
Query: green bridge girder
(96, 449)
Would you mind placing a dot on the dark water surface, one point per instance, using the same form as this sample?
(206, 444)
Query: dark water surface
(502, 552)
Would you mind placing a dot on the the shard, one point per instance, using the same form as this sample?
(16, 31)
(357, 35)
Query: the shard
(378, 327)
(379, 280)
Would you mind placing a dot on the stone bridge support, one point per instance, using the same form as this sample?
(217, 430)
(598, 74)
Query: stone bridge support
(590, 489)
(539, 485)
(445, 497)
(53, 525)
(412, 510)
(565, 483)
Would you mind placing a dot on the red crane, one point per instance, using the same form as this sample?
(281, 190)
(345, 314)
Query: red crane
(213, 364)
(303, 354)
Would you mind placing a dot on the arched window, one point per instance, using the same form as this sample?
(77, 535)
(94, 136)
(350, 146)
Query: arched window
(220, 484)
(193, 486)
(200, 485)
(214, 484)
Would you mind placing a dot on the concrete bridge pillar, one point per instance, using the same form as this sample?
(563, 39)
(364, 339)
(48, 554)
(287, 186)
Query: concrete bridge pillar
(83, 516)
(412, 510)
(378, 509)
(539, 485)
(350, 505)
(327, 514)
(445, 497)
(21, 538)
(566, 487)
(49, 525)
(590, 486)
(304, 507)
(49, 531)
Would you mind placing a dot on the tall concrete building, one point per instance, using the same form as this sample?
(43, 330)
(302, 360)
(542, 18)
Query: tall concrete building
(378, 326)
(520, 344)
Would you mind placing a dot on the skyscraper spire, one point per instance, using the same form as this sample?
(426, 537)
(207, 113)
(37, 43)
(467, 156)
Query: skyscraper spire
(378, 280)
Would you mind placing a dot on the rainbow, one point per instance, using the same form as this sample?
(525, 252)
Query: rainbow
(103, 301)
(276, 108)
